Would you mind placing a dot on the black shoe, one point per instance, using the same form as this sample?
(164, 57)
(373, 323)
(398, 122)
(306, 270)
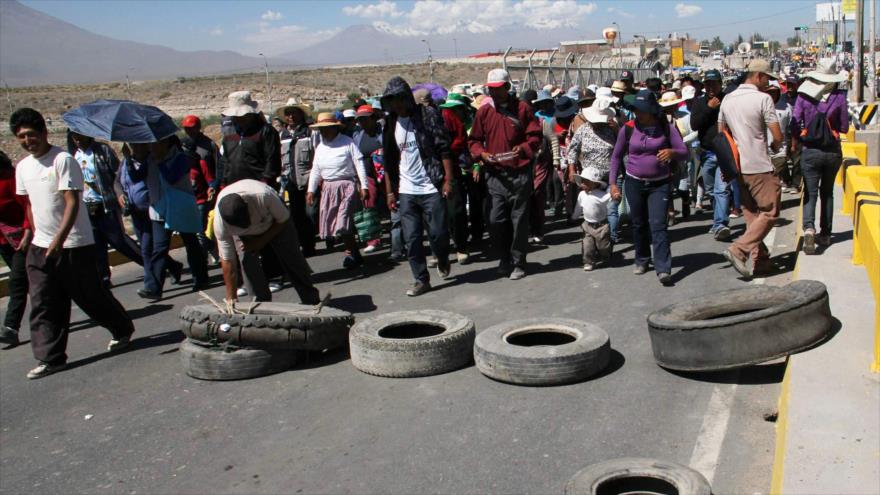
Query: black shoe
(176, 272)
(665, 278)
(9, 336)
(145, 294)
(201, 286)
(443, 270)
(504, 269)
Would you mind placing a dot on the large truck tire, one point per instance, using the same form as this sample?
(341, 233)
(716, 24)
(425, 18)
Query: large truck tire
(217, 362)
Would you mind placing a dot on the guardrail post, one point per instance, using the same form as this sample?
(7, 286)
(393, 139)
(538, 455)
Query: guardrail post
(551, 79)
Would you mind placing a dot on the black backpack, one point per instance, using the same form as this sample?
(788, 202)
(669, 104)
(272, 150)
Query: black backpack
(818, 133)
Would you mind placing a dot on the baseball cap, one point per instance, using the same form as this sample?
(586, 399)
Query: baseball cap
(626, 76)
(364, 111)
(497, 78)
(712, 75)
(190, 121)
(762, 66)
(349, 113)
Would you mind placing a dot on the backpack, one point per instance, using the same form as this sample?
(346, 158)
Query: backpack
(727, 153)
(819, 134)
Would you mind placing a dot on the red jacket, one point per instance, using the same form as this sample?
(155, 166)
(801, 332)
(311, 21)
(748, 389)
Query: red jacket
(456, 131)
(495, 132)
(12, 206)
(201, 176)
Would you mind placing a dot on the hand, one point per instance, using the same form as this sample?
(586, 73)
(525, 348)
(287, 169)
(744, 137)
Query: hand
(54, 249)
(517, 149)
(364, 194)
(714, 102)
(310, 199)
(615, 192)
(26, 237)
(664, 155)
(211, 193)
(391, 198)
(121, 200)
(447, 188)
(486, 157)
(476, 175)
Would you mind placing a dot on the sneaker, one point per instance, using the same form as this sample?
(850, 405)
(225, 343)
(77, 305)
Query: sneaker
(738, 264)
(537, 240)
(443, 270)
(45, 369)
(823, 240)
(639, 269)
(397, 257)
(241, 292)
(517, 273)
(274, 287)
(665, 278)
(670, 218)
(463, 258)
(432, 262)
(722, 233)
(809, 241)
(152, 296)
(9, 337)
(370, 248)
(588, 267)
(418, 288)
(735, 213)
(118, 344)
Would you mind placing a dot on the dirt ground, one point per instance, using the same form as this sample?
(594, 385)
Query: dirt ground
(206, 96)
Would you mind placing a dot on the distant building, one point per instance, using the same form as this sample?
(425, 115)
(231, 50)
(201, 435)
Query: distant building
(583, 46)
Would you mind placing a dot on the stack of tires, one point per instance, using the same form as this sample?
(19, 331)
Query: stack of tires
(239, 346)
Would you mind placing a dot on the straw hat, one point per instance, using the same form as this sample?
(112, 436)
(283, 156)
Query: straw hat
(240, 104)
(325, 119)
(618, 87)
(669, 99)
(294, 102)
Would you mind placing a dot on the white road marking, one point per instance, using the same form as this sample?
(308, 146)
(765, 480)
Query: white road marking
(707, 450)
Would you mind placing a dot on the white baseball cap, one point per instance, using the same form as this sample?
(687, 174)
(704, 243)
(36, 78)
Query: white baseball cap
(349, 113)
(497, 78)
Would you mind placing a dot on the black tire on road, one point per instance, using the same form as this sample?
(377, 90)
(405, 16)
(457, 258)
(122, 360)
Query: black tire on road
(637, 475)
(271, 326)
(740, 327)
(542, 351)
(212, 362)
(412, 343)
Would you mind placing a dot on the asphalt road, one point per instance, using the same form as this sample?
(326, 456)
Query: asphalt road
(135, 423)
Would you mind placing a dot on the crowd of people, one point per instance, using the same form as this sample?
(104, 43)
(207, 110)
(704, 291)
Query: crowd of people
(453, 165)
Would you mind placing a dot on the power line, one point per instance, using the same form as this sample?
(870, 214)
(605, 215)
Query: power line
(700, 28)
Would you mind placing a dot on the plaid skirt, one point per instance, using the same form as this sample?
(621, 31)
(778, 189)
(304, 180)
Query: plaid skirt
(338, 202)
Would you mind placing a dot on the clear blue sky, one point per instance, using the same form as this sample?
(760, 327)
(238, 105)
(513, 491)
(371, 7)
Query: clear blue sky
(279, 26)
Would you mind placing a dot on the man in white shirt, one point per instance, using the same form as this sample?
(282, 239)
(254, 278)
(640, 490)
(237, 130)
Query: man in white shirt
(250, 217)
(61, 261)
(749, 114)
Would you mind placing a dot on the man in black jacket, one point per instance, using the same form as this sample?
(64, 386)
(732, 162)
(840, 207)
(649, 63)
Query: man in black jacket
(254, 150)
(418, 168)
(103, 198)
(704, 119)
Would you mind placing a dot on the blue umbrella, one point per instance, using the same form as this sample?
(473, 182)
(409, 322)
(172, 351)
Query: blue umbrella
(120, 120)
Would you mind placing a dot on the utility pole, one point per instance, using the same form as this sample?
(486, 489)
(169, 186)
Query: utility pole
(8, 99)
(128, 82)
(872, 82)
(268, 82)
(430, 59)
(455, 43)
(860, 61)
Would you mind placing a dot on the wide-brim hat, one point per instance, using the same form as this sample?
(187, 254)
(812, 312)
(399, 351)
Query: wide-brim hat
(826, 72)
(591, 174)
(618, 86)
(669, 99)
(543, 95)
(587, 95)
(455, 100)
(598, 113)
(565, 108)
(326, 119)
(605, 92)
(294, 102)
(813, 89)
(240, 104)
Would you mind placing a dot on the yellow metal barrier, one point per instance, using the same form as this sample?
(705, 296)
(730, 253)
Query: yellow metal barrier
(852, 151)
(860, 182)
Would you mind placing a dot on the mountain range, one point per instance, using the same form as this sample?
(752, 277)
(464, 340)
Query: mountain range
(63, 53)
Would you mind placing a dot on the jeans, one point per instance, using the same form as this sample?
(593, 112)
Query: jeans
(510, 192)
(735, 195)
(648, 202)
(107, 229)
(154, 280)
(398, 247)
(18, 285)
(819, 169)
(712, 181)
(457, 213)
(417, 212)
(614, 213)
(143, 230)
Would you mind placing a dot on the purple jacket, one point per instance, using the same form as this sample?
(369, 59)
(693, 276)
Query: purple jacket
(835, 109)
(642, 154)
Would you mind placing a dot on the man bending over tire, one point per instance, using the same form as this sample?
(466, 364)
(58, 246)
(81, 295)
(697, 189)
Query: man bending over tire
(250, 216)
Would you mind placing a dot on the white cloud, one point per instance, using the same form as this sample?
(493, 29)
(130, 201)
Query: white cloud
(217, 31)
(373, 11)
(482, 16)
(685, 10)
(619, 12)
(273, 40)
(271, 15)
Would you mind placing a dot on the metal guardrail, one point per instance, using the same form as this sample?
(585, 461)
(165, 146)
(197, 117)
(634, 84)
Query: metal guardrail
(596, 70)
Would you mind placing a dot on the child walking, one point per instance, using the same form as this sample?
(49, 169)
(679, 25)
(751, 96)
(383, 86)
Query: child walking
(592, 203)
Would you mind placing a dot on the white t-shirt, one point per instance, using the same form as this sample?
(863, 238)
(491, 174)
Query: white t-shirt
(593, 205)
(43, 180)
(413, 176)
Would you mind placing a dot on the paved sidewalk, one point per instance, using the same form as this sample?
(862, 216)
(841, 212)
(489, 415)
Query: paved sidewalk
(827, 436)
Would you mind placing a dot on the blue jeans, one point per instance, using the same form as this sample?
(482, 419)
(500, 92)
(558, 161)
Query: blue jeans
(819, 169)
(614, 213)
(107, 230)
(648, 201)
(418, 212)
(712, 181)
(143, 230)
(734, 195)
(397, 245)
(154, 280)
